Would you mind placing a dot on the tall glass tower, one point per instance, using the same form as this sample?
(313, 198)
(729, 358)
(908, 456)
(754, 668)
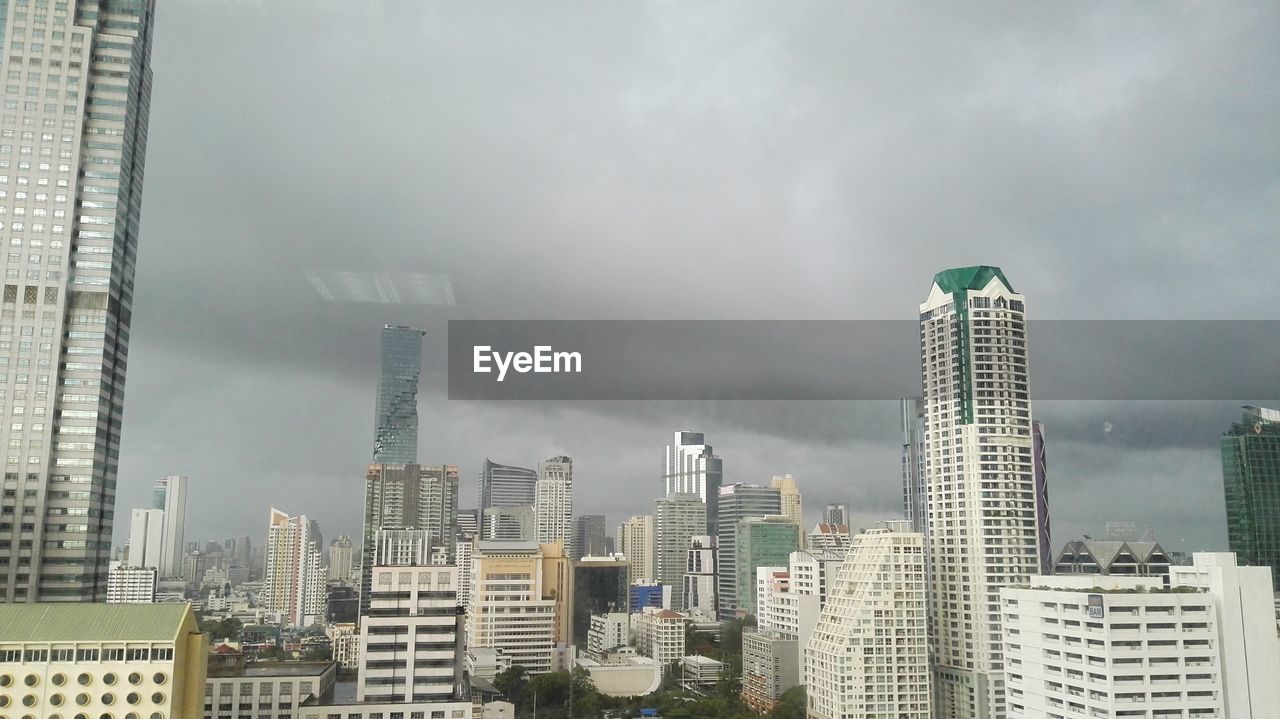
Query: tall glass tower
(690, 466)
(395, 438)
(1251, 484)
(73, 132)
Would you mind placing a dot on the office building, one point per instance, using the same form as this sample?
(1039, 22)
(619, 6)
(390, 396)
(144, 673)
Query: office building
(341, 559)
(790, 504)
(468, 522)
(677, 518)
(1137, 558)
(649, 595)
(835, 514)
(607, 631)
(169, 494)
(599, 587)
(700, 577)
(868, 654)
(911, 413)
(395, 435)
(1251, 484)
(509, 524)
(408, 496)
(829, 538)
(268, 689)
(1123, 646)
(294, 583)
(553, 503)
(146, 538)
(735, 503)
(503, 485)
(520, 604)
(67, 300)
(128, 584)
(761, 542)
(690, 466)
(588, 536)
(770, 666)
(410, 639)
(658, 634)
(93, 659)
(635, 542)
(980, 458)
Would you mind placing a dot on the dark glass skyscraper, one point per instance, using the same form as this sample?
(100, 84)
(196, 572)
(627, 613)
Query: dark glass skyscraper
(1251, 483)
(396, 424)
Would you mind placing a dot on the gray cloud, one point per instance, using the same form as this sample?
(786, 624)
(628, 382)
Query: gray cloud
(662, 160)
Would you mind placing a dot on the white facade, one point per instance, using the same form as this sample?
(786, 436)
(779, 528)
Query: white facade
(511, 608)
(829, 538)
(771, 583)
(690, 466)
(294, 582)
(607, 632)
(146, 537)
(553, 505)
(409, 639)
(170, 495)
(659, 634)
(462, 552)
(980, 483)
(131, 585)
(868, 654)
(346, 644)
(635, 542)
(700, 576)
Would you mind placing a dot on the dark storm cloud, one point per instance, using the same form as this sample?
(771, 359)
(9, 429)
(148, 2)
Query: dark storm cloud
(668, 161)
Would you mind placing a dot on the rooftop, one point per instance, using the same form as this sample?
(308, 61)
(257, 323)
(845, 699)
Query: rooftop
(91, 622)
(969, 278)
(286, 669)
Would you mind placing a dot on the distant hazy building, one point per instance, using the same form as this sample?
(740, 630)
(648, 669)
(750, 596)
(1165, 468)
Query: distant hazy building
(835, 514)
(599, 587)
(146, 538)
(868, 654)
(503, 485)
(509, 524)
(761, 542)
(395, 439)
(408, 496)
(294, 582)
(770, 666)
(830, 537)
(468, 522)
(1106, 557)
(520, 605)
(169, 494)
(677, 518)
(690, 466)
(588, 536)
(790, 502)
(635, 542)
(131, 585)
(700, 576)
(553, 503)
(1251, 484)
(410, 639)
(735, 503)
(341, 559)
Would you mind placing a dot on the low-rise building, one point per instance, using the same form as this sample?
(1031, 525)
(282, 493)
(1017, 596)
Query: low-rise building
(770, 666)
(659, 634)
(401, 710)
(345, 642)
(266, 689)
(608, 631)
(699, 673)
(131, 585)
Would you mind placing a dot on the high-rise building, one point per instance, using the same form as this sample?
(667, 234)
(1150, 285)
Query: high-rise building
(588, 536)
(1043, 530)
(735, 503)
(980, 478)
(914, 481)
(468, 522)
(411, 640)
(395, 434)
(835, 514)
(169, 494)
(408, 496)
(792, 507)
(635, 542)
(71, 294)
(146, 538)
(128, 584)
(509, 524)
(341, 559)
(599, 587)
(868, 655)
(1251, 483)
(553, 504)
(294, 583)
(520, 604)
(504, 485)
(761, 542)
(689, 466)
(700, 577)
(677, 518)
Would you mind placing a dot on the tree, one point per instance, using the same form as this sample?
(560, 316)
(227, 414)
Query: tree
(222, 629)
(512, 683)
(791, 705)
(317, 654)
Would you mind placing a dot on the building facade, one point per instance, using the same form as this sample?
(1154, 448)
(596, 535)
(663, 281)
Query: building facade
(395, 433)
(264, 690)
(599, 587)
(677, 518)
(131, 585)
(761, 542)
(735, 503)
(700, 577)
(829, 538)
(146, 538)
(1251, 485)
(659, 634)
(911, 413)
(1106, 557)
(408, 496)
(868, 655)
(341, 559)
(588, 536)
(607, 631)
(770, 666)
(503, 485)
(553, 505)
(635, 542)
(835, 514)
(980, 481)
(520, 604)
(790, 503)
(411, 639)
(293, 585)
(169, 495)
(690, 466)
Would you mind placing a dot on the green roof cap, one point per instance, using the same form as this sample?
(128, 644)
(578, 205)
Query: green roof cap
(84, 622)
(969, 278)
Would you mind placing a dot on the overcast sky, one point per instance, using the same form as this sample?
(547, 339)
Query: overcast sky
(681, 160)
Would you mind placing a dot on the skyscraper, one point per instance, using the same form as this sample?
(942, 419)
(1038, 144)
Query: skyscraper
(395, 438)
(761, 542)
(146, 538)
(504, 485)
(408, 496)
(635, 542)
(735, 503)
(1251, 484)
(700, 577)
(836, 514)
(341, 559)
(68, 296)
(676, 520)
(790, 500)
(588, 536)
(981, 489)
(689, 466)
(170, 495)
(294, 583)
(553, 505)
(914, 485)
